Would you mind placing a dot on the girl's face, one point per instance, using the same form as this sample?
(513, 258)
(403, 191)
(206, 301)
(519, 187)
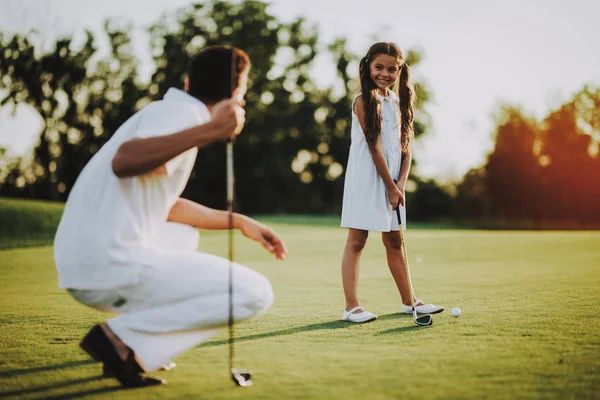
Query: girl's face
(384, 71)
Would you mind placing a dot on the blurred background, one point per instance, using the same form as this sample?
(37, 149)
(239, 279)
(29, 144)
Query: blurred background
(508, 121)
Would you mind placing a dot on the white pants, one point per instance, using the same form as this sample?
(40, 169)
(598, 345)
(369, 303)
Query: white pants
(181, 299)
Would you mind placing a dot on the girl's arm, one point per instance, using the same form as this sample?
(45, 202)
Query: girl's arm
(382, 167)
(405, 170)
(379, 159)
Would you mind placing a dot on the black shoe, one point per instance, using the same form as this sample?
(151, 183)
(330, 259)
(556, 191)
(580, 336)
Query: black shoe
(127, 372)
(107, 372)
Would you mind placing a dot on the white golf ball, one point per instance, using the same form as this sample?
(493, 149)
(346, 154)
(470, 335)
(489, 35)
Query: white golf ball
(455, 312)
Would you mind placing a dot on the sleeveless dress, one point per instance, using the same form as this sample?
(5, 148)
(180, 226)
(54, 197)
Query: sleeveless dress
(365, 205)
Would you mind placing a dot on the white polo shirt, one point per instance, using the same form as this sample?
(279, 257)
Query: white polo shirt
(102, 238)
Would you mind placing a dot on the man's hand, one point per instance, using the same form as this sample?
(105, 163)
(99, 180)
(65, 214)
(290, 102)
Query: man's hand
(229, 118)
(265, 236)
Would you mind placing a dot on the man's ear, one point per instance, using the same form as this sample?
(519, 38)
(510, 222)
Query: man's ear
(186, 84)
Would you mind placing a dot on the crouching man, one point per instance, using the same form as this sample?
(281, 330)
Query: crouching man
(127, 242)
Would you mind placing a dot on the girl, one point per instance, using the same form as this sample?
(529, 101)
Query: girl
(380, 156)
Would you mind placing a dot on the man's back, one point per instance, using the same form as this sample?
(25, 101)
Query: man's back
(107, 221)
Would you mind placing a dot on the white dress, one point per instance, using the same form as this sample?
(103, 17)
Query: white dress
(366, 205)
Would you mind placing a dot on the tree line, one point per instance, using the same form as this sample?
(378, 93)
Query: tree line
(292, 153)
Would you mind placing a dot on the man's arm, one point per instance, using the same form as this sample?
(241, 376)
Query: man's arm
(142, 155)
(190, 213)
(201, 217)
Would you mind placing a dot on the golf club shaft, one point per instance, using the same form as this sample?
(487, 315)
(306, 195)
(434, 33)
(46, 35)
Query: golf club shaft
(230, 193)
(408, 277)
(241, 379)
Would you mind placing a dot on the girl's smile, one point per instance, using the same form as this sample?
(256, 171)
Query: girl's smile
(384, 71)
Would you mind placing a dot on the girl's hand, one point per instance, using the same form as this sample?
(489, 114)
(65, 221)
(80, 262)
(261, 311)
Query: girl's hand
(402, 192)
(265, 236)
(396, 197)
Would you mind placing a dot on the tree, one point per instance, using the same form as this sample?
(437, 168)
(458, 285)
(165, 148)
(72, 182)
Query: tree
(429, 202)
(512, 170)
(538, 173)
(571, 171)
(81, 105)
(292, 153)
(472, 201)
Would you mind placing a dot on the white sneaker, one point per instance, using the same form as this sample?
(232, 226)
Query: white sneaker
(422, 308)
(358, 318)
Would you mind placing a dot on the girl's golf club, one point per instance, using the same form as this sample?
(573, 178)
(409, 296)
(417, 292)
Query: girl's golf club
(425, 319)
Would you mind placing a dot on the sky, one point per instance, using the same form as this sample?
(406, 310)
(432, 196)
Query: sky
(477, 56)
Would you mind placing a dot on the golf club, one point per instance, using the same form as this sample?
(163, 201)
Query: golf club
(242, 379)
(425, 319)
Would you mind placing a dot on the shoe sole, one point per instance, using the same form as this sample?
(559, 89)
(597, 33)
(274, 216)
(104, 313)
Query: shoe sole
(127, 378)
(90, 352)
(107, 372)
(359, 322)
(422, 313)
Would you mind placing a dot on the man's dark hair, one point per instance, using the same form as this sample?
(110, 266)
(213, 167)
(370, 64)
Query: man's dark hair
(210, 72)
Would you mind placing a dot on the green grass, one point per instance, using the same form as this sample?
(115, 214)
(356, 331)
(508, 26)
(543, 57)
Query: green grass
(26, 223)
(530, 327)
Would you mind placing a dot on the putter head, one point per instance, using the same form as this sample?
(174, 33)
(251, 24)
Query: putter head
(241, 378)
(423, 320)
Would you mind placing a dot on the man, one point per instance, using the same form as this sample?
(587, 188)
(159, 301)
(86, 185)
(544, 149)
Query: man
(126, 242)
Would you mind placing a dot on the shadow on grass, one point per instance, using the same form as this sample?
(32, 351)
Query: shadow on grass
(60, 385)
(337, 324)
(70, 364)
(45, 388)
(290, 331)
(385, 317)
(400, 329)
(91, 392)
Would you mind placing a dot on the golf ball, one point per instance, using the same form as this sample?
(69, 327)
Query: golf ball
(455, 312)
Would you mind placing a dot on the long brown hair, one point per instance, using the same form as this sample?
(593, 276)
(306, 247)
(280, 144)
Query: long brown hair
(403, 89)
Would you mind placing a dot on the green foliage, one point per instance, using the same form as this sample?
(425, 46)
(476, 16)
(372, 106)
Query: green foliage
(292, 153)
(471, 199)
(80, 108)
(428, 202)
